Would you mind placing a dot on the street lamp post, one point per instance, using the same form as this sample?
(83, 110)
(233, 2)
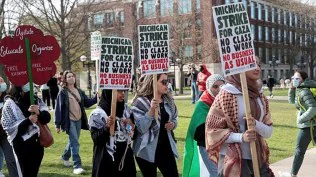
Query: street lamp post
(273, 63)
(174, 73)
(83, 58)
(180, 65)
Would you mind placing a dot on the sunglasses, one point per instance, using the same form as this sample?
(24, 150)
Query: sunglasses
(164, 82)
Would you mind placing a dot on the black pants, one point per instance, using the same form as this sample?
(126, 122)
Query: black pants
(46, 97)
(30, 154)
(165, 162)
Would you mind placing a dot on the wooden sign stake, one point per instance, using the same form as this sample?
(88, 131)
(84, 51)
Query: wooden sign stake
(113, 110)
(155, 93)
(253, 148)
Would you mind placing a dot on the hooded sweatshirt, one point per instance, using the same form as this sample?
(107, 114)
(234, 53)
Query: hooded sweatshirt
(202, 76)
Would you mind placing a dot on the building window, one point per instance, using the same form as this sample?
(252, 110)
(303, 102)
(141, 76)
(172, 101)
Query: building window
(166, 7)
(295, 16)
(170, 31)
(268, 54)
(253, 10)
(227, 2)
(266, 13)
(122, 18)
(267, 36)
(89, 21)
(273, 35)
(279, 35)
(285, 17)
(109, 19)
(198, 53)
(149, 8)
(184, 7)
(259, 11)
(279, 16)
(285, 37)
(260, 53)
(291, 18)
(273, 15)
(254, 32)
(291, 37)
(260, 33)
(98, 20)
(198, 27)
(188, 53)
(198, 6)
(187, 29)
(245, 3)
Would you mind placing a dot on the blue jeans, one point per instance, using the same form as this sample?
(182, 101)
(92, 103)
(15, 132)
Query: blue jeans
(302, 142)
(210, 165)
(72, 148)
(195, 92)
(7, 152)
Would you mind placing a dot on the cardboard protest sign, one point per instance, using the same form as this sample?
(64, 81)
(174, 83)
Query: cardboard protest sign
(43, 51)
(96, 41)
(153, 41)
(116, 64)
(234, 38)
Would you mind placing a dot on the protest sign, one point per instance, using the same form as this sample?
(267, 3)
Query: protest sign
(153, 41)
(96, 42)
(43, 51)
(237, 54)
(116, 64)
(235, 39)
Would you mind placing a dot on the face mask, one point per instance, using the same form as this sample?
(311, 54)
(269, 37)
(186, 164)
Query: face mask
(26, 88)
(71, 80)
(3, 87)
(296, 82)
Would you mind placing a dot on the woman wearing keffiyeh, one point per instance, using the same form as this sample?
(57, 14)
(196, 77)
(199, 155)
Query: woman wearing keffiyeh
(154, 146)
(227, 137)
(196, 161)
(23, 132)
(108, 151)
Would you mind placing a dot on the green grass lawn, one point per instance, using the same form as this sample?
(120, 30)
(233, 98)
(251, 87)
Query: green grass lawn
(277, 92)
(281, 143)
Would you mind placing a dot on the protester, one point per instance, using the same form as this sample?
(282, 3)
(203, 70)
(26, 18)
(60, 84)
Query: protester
(53, 89)
(5, 148)
(195, 154)
(227, 136)
(193, 73)
(19, 120)
(201, 79)
(282, 83)
(155, 145)
(70, 116)
(302, 97)
(170, 88)
(108, 151)
(270, 84)
(45, 94)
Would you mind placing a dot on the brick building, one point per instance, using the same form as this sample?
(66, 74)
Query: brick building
(281, 37)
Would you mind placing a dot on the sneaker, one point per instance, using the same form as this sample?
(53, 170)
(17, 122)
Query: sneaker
(78, 171)
(285, 174)
(65, 162)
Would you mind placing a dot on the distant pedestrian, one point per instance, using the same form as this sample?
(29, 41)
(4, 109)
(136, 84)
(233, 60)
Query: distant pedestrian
(201, 79)
(270, 84)
(45, 95)
(170, 88)
(282, 83)
(53, 89)
(302, 97)
(193, 73)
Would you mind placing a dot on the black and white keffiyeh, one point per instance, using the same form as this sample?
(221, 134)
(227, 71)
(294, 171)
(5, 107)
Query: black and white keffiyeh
(12, 116)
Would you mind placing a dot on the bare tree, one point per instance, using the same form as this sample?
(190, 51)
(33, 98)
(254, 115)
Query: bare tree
(64, 19)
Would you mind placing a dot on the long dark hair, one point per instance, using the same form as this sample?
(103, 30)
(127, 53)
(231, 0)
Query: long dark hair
(105, 103)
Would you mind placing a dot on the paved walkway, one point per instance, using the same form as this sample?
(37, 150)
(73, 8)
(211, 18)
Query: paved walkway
(283, 167)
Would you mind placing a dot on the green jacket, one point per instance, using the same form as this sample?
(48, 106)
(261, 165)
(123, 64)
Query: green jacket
(307, 100)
